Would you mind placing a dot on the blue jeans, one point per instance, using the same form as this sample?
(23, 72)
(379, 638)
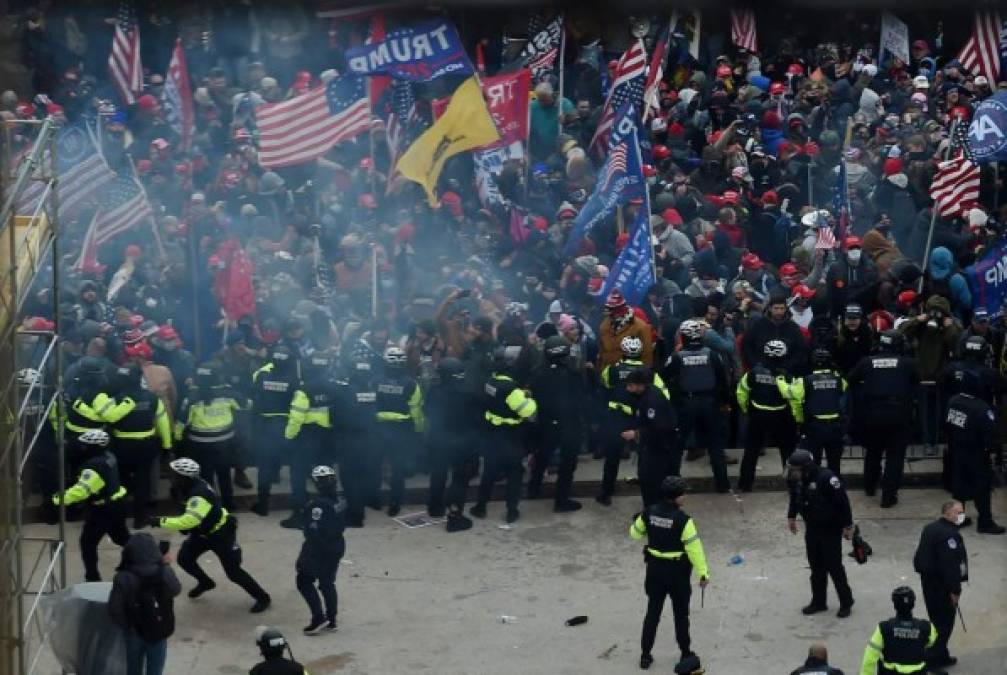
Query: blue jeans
(139, 651)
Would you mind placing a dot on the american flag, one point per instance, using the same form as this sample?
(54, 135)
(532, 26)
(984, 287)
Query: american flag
(825, 237)
(305, 127)
(652, 90)
(743, 29)
(177, 97)
(614, 167)
(404, 124)
(627, 87)
(981, 54)
(955, 187)
(124, 61)
(123, 207)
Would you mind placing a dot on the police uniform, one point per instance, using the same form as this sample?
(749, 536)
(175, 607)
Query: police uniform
(942, 563)
(673, 549)
(817, 403)
(273, 390)
(210, 528)
(453, 418)
(399, 416)
(980, 381)
(972, 433)
(560, 393)
(888, 384)
(278, 666)
(206, 427)
(769, 415)
(353, 417)
(821, 500)
(98, 485)
(507, 412)
(660, 453)
(898, 646)
(698, 385)
(310, 423)
(323, 548)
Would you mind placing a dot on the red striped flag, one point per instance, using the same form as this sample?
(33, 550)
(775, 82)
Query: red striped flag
(743, 29)
(124, 61)
(627, 86)
(981, 54)
(955, 188)
(305, 127)
(177, 97)
(652, 89)
(825, 239)
(87, 261)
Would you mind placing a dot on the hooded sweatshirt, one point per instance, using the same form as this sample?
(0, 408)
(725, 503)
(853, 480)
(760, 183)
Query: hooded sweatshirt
(945, 281)
(141, 562)
(880, 250)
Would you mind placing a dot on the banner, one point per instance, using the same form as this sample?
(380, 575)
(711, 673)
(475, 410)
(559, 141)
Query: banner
(988, 132)
(488, 165)
(686, 30)
(507, 100)
(633, 271)
(894, 38)
(988, 280)
(418, 53)
(539, 55)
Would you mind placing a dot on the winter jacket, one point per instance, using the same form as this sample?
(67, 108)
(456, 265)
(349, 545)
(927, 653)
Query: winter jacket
(762, 329)
(949, 283)
(880, 251)
(141, 562)
(610, 352)
(934, 346)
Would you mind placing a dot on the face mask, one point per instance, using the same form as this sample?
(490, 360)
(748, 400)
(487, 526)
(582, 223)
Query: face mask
(853, 257)
(959, 519)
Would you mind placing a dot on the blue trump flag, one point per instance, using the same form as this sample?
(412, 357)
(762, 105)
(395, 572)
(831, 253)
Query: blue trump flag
(988, 132)
(987, 279)
(620, 178)
(633, 271)
(416, 53)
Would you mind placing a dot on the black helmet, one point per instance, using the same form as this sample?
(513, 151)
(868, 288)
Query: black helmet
(821, 358)
(128, 378)
(451, 368)
(206, 376)
(673, 487)
(556, 348)
(504, 358)
(92, 367)
(801, 459)
(976, 348)
(891, 341)
(903, 598)
(270, 641)
(280, 355)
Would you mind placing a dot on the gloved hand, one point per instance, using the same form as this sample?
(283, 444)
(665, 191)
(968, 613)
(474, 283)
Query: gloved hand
(154, 521)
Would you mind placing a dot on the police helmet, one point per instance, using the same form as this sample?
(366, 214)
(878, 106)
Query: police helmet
(186, 467)
(821, 357)
(976, 348)
(631, 346)
(322, 472)
(891, 341)
(800, 459)
(775, 349)
(206, 376)
(556, 347)
(92, 366)
(673, 487)
(280, 355)
(903, 598)
(96, 438)
(395, 357)
(505, 357)
(692, 332)
(28, 376)
(270, 641)
(451, 368)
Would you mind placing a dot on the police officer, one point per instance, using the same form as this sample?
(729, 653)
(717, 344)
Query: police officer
(621, 413)
(271, 644)
(98, 485)
(273, 388)
(210, 528)
(206, 428)
(560, 393)
(817, 403)
(817, 494)
(353, 417)
(452, 418)
(141, 429)
(698, 385)
(888, 383)
(899, 644)
(817, 662)
(655, 433)
(310, 424)
(86, 400)
(943, 564)
(321, 551)
(399, 418)
(768, 412)
(508, 412)
(673, 550)
(972, 435)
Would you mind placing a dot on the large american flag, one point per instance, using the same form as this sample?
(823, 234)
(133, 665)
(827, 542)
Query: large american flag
(981, 54)
(177, 97)
(955, 187)
(403, 124)
(305, 127)
(652, 89)
(124, 61)
(124, 206)
(743, 29)
(627, 86)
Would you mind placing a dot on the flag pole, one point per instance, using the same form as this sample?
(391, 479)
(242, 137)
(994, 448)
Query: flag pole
(934, 209)
(562, 63)
(153, 222)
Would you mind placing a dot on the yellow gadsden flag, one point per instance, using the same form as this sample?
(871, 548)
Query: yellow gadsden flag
(466, 124)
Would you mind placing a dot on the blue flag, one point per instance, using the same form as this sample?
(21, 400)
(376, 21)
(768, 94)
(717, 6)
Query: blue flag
(416, 53)
(633, 271)
(987, 279)
(620, 178)
(987, 138)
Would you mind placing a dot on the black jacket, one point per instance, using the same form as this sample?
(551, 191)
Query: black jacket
(941, 555)
(815, 666)
(141, 562)
(762, 330)
(821, 500)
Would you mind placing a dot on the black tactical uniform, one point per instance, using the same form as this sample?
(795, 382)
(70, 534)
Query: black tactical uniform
(399, 416)
(273, 388)
(888, 383)
(818, 404)
(323, 548)
(453, 418)
(898, 646)
(972, 434)
(769, 415)
(353, 417)
(660, 454)
(942, 563)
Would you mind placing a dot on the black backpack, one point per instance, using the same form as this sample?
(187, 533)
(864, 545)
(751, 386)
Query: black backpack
(153, 610)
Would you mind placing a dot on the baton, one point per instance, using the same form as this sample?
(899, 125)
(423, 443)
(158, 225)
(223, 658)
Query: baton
(959, 608)
(702, 601)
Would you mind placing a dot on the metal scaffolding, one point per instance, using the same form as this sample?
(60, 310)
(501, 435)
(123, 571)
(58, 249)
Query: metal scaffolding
(30, 389)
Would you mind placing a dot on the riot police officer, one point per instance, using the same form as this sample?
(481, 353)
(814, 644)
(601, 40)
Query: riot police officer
(271, 644)
(323, 548)
(768, 412)
(818, 495)
(899, 644)
(452, 422)
(99, 486)
(655, 433)
(621, 412)
(353, 415)
(210, 528)
(817, 403)
(399, 418)
(86, 399)
(560, 393)
(888, 382)
(273, 389)
(698, 386)
(972, 435)
(673, 550)
(508, 411)
(310, 424)
(943, 564)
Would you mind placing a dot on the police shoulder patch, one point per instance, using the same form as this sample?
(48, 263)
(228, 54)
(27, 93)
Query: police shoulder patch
(651, 413)
(952, 544)
(834, 482)
(316, 513)
(194, 502)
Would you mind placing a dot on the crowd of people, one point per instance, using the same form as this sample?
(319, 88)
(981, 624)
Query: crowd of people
(385, 338)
